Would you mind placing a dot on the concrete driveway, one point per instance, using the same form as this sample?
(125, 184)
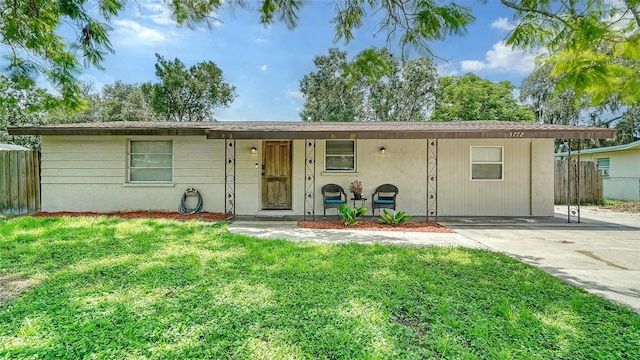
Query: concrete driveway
(601, 254)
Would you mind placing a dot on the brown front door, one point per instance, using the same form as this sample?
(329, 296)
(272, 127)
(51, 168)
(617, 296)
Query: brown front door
(276, 175)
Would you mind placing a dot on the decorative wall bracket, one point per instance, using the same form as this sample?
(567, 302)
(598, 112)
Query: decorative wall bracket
(309, 178)
(229, 179)
(432, 180)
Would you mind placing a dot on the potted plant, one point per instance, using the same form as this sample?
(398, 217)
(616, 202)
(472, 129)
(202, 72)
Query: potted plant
(356, 189)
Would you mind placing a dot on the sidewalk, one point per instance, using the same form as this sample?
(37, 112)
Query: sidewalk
(289, 230)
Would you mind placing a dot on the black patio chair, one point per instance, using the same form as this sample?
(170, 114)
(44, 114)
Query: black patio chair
(333, 196)
(384, 198)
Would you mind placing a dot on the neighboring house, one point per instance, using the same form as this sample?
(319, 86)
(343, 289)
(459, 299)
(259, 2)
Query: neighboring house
(468, 168)
(620, 169)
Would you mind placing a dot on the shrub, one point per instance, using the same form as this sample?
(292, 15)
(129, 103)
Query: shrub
(350, 214)
(393, 220)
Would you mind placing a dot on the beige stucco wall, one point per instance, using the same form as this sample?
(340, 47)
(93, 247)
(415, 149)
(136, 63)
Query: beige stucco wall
(403, 165)
(542, 180)
(89, 174)
(625, 163)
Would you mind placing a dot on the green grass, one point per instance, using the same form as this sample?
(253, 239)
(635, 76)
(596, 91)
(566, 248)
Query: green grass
(112, 288)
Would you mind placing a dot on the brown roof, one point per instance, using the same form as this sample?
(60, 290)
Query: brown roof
(327, 130)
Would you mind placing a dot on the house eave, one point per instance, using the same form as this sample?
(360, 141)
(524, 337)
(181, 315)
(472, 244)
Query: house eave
(104, 131)
(299, 130)
(457, 134)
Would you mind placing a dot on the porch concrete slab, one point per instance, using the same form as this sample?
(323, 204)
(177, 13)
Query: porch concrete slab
(601, 254)
(289, 230)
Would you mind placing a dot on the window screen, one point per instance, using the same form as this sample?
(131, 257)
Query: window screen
(150, 161)
(487, 163)
(340, 155)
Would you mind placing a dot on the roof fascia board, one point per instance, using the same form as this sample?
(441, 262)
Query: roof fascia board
(386, 135)
(104, 131)
(319, 134)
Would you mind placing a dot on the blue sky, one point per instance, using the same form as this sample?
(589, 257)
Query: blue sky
(266, 64)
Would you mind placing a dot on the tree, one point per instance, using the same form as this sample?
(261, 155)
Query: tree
(188, 94)
(124, 102)
(567, 108)
(23, 109)
(593, 46)
(628, 129)
(407, 93)
(29, 30)
(114, 102)
(538, 89)
(330, 93)
(374, 86)
(468, 97)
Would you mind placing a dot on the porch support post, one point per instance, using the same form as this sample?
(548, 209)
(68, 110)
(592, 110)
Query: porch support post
(432, 179)
(229, 179)
(569, 182)
(578, 181)
(309, 178)
(573, 165)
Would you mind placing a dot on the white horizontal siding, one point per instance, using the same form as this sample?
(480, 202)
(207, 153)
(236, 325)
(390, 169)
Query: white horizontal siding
(89, 173)
(80, 163)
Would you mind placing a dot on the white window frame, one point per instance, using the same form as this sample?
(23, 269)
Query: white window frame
(355, 157)
(501, 163)
(604, 170)
(129, 167)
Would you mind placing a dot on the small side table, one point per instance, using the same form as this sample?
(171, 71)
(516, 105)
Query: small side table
(363, 201)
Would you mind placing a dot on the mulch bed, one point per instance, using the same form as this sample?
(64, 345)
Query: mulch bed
(139, 215)
(424, 226)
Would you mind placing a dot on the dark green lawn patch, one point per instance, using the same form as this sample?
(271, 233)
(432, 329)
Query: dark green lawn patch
(113, 288)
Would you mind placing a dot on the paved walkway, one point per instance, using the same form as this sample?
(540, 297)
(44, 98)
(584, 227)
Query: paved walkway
(601, 254)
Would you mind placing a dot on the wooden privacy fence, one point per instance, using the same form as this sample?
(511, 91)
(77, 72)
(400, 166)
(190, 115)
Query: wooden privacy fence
(19, 181)
(590, 182)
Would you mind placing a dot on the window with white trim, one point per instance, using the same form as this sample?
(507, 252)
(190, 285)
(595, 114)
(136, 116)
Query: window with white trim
(603, 166)
(340, 155)
(150, 161)
(487, 163)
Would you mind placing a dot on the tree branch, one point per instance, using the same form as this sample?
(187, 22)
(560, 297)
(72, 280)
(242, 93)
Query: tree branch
(537, 11)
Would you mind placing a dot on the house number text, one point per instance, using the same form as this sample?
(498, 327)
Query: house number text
(516, 134)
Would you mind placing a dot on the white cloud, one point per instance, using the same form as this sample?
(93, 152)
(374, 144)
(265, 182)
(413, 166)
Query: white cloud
(263, 67)
(159, 14)
(619, 17)
(97, 84)
(260, 41)
(295, 94)
(446, 70)
(136, 34)
(472, 65)
(503, 24)
(503, 58)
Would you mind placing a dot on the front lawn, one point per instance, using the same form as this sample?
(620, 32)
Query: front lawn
(113, 288)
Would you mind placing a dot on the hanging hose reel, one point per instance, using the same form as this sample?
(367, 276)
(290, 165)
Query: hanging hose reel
(190, 192)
